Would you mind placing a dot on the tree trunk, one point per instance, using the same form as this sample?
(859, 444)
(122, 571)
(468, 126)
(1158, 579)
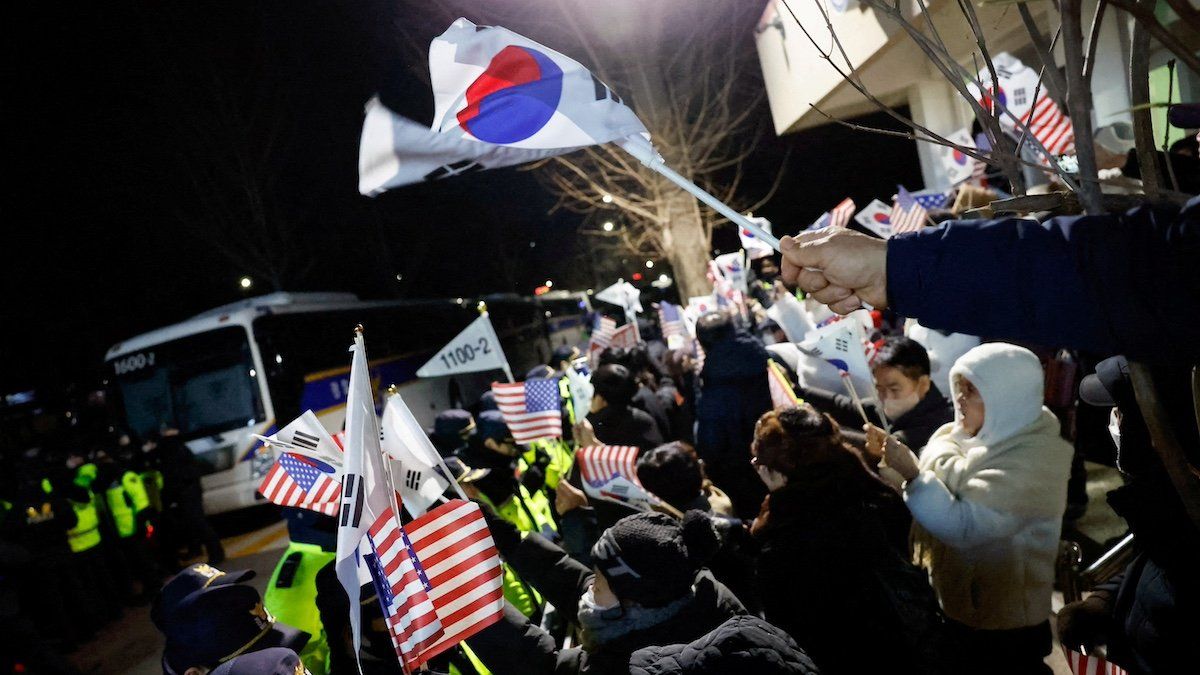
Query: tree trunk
(685, 243)
(1143, 126)
(1079, 105)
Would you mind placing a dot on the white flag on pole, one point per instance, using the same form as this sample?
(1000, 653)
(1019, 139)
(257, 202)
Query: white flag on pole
(405, 442)
(306, 436)
(755, 247)
(876, 217)
(841, 344)
(365, 494)
(791, 316)
(733, 268)
(624, 295)
(500, 99)
(475, 349)
(581, 392)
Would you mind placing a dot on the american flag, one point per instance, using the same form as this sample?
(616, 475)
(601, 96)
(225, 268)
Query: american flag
(931, 199)
(403, 587)
(609, 472)
(1091, 665)
(782, 394)
(530, 408)
(603, 332)
(303, 482)
(452, 578)
(908, 214)
(1050, 126)
(839, 217)
(670, 319)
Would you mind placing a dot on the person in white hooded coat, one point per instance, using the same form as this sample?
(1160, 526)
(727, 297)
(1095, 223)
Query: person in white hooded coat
(987, 498)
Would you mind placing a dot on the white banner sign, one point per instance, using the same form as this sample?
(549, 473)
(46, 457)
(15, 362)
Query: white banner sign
(476, 348)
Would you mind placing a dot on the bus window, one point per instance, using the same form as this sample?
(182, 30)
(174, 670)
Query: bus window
(201, 385)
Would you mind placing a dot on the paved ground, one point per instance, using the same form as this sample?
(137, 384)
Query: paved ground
(133, 646)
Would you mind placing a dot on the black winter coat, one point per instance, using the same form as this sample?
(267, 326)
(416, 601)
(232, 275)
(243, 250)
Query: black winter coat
(822, 545)
(626, 426)
(913, 428)
(743, 644)
(513, 645)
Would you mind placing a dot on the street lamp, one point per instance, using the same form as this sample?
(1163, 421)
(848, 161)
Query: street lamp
(549, 284)
(608, 226)
(245, 283)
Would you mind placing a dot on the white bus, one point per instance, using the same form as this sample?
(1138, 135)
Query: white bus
(254, 365)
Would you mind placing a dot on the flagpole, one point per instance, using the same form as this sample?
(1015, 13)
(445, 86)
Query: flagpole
(384, 459)
(643, 151)
(483, 311)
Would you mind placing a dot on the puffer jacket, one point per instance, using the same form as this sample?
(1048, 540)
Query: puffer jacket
(988, 508)
(743, 644)
(514, 645)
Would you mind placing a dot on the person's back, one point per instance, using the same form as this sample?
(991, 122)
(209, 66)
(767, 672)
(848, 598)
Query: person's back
(825, 547)
(733, 393)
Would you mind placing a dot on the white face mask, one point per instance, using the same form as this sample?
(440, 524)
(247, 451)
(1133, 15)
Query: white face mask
(588, 601)
(1114, 428)
(770, 477)
(896, 407)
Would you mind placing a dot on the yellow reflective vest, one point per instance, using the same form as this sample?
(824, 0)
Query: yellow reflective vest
(292, 598)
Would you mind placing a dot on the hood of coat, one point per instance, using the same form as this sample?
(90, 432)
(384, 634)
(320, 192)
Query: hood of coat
(1010, 380)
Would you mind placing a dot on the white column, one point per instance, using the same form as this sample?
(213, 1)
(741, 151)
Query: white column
(935, 105)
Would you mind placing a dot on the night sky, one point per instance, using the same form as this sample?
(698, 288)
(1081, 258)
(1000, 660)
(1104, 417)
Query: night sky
(115, 113)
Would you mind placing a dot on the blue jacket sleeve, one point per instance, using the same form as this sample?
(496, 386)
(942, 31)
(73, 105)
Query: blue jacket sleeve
(1106, 284)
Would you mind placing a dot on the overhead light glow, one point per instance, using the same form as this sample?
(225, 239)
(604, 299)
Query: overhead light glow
(608, 226)
(649, 264)
(245, 282)
(607, 199)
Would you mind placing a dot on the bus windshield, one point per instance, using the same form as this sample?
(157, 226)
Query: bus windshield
(201, 385)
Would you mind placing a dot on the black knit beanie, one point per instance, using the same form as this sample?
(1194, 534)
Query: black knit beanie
(652, 558)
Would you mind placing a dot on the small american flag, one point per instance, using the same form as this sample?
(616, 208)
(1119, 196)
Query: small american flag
(463, 569)
(1050, 126)
(1091, 665)
(602, 334)
(670, 319)
(443, 576)
(908, 214)
(782, 394)
(609, 472)
(931, 199)
(303, 482)
(403, 587)
(530, 408)
(839, 217)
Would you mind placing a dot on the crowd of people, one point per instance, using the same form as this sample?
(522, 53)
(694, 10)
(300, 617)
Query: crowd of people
(917, 533)
(90, 524)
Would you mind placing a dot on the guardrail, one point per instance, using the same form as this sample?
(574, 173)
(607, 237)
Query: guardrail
(1073, 581)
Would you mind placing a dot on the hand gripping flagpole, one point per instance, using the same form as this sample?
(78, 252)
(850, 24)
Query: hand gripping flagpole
(644, 152)
(482, 307)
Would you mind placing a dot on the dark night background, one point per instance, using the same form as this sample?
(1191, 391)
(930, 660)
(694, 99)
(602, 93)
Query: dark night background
(107, 123)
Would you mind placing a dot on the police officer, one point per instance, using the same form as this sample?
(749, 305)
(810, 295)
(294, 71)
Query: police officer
(210, 618)
(37, 520)
(183, 494)
(450, 431)
(93, 577)
(292, 592)
(128, 505)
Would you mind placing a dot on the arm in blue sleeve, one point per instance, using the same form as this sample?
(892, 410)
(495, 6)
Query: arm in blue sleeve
(1105, 284)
